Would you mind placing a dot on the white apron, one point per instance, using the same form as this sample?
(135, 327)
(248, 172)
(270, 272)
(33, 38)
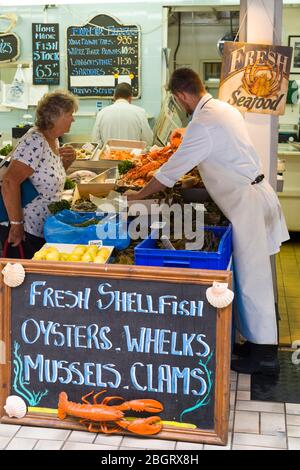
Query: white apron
(217, 141)
(258, 231)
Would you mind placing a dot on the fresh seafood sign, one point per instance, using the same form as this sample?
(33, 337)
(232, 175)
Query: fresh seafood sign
(255, 77)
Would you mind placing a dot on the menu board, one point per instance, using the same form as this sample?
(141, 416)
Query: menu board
(140, 334)
(9, 47)
(45, 53)
(102, 54)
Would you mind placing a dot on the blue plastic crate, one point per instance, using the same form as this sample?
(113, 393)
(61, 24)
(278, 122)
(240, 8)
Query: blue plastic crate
(146, 253)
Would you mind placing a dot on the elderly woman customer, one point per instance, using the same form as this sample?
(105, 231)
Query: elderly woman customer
(38, 157)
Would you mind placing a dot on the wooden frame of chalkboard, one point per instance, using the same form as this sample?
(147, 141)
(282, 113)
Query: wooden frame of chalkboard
(92, 22)
(6, 51)
(174, 280)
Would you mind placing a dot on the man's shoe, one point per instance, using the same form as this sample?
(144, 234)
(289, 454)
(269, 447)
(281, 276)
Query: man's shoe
(263, 359)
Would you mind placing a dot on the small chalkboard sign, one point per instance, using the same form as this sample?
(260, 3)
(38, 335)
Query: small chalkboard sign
(45, 53)
(139, 333)
(9, 47)
(101, 54)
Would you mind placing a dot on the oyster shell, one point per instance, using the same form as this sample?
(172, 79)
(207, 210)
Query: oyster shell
(219, 295)
(15, 406)
(13, 274)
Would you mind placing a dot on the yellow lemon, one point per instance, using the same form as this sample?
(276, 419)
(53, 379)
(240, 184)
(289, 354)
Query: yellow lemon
(38, 255)
(99, 259)
(87, 258)
(92, 249)
(79, 250)
(44, 251)
(51, 249)
(104, 251)
(74, 258)
(52, 256)
(64, 256)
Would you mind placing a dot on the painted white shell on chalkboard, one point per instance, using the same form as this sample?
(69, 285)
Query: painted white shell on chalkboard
(15, 406)
(13, 274)
(219, 295)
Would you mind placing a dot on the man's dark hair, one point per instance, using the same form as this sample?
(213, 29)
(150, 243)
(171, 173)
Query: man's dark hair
(123, 90)
(186, 80)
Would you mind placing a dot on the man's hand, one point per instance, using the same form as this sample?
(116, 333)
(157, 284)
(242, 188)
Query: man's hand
(154, 186)
(178, 133)
(132, 195)
(16, 235)
(68, 155)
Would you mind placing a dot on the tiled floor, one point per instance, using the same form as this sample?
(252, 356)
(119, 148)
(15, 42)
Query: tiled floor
(253, 426)
(288, 281)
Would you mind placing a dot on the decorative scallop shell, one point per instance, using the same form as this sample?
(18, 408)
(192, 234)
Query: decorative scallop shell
(13, 274)
(15, 406)
(219, 295)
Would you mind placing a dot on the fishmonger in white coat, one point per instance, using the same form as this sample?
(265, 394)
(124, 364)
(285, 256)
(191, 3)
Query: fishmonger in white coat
(217, 141)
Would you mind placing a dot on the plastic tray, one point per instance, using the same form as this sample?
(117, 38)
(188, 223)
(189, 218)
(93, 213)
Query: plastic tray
(79, 145)
(117, 144)
(146, 253)
(106, 177)
(99, 186)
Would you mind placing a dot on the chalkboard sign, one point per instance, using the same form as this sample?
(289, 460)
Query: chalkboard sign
(45, 53)
(138, 333)
(9, 47)
(102, 54)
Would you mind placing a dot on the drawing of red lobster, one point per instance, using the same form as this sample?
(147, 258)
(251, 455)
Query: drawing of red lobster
(110, 418)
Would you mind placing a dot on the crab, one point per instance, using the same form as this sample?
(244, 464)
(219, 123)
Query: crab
(261, 80)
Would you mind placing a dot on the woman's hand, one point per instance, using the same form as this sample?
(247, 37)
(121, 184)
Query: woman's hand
(68, 155)
(16, 235)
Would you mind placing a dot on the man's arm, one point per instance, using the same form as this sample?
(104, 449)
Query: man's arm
(154, 186)
(195, 147)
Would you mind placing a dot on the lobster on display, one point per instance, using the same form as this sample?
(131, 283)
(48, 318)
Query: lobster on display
(110, 418)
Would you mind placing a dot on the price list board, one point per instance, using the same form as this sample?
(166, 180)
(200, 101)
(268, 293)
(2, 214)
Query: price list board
(45, 53)
(9, 47)
(102, 54)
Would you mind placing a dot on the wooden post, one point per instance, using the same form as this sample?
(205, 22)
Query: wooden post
(263, 24)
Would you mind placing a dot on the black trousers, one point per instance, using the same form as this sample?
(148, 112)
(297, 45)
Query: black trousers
(31, 244)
